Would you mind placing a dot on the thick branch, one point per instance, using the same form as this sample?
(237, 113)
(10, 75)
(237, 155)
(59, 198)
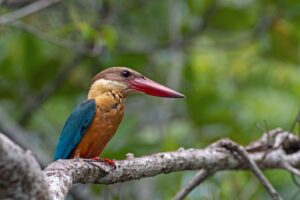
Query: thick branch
(29, 140)
(213, 158)
(61, 175)
(21, 176)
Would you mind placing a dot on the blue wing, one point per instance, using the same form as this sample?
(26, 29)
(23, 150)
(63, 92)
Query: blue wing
(74, 129)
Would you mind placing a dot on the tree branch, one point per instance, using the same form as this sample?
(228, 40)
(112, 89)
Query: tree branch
(26, 10)
(213, 158)
(15, 3)
(62, 174)
(29, 140)
(231, 146)
(21, 176)
(201, 176)
(77, 47)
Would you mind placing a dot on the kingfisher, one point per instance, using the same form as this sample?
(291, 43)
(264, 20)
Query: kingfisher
(93, 123)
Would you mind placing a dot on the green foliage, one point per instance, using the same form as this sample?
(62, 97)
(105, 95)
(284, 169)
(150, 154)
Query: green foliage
(241, 70)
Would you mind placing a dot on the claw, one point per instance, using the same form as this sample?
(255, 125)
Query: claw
(106, 161)
(110, 162)
(96, 158)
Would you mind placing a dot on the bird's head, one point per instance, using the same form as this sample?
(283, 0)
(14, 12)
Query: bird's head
(128, 81)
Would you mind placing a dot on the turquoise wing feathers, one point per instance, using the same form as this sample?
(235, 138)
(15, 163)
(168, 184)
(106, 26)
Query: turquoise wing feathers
(74, 129)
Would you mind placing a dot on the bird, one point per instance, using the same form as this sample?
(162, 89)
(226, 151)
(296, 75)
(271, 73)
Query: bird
(93, 123)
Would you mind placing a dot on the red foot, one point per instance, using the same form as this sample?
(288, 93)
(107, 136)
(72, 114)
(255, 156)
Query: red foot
(109, 161)
(96, 158)
(106, 161)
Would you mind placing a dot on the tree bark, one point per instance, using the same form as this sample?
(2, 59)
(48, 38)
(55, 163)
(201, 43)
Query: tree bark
(23, 174)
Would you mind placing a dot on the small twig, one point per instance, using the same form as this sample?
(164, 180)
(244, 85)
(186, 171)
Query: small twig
(252, 165)
(60, 42)
(297, 120)
(280, 145)
(201, 176)
(15, 3)
(26, 10)
(270, 142)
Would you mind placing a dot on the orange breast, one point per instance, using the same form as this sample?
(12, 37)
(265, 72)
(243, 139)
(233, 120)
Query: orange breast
(109, 113)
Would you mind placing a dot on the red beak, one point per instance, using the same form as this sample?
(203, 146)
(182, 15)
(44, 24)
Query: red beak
(150, 87)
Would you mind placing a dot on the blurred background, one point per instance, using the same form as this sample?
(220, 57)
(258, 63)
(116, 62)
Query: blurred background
(236, 61)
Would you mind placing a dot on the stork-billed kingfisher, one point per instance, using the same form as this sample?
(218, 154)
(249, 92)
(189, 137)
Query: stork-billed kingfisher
(93, 123)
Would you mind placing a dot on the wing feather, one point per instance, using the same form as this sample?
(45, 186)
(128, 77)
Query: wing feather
(74, 128)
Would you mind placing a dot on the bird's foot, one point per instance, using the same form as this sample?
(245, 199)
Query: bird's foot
(106, 161)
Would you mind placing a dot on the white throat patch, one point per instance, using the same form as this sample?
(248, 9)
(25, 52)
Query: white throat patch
(101, 86)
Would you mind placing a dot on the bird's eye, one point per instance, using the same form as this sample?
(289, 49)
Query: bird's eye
(125, 73)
